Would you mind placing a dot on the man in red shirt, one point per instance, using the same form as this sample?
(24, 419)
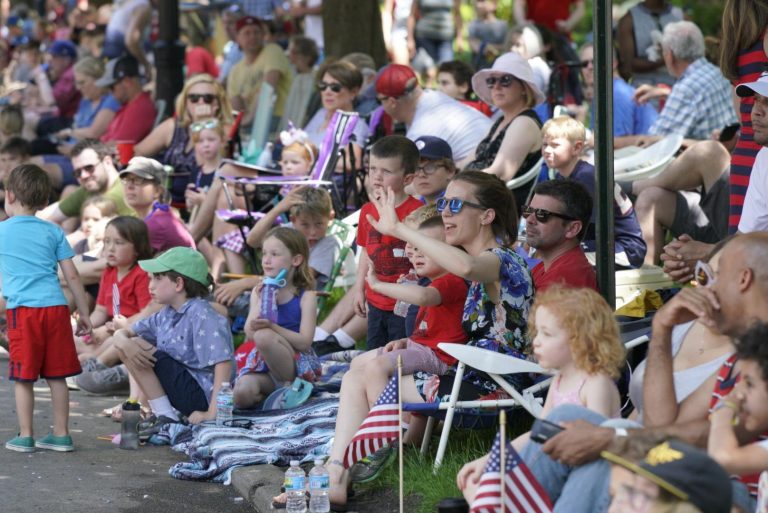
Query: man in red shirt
(137, 116)
(556, 219)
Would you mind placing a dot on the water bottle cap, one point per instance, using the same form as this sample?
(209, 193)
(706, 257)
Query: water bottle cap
(294, 463)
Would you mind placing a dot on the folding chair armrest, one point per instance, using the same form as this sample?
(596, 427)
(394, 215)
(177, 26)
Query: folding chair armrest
(489, 361)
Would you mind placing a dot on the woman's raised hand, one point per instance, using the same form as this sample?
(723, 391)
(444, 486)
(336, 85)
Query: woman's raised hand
(385, 205)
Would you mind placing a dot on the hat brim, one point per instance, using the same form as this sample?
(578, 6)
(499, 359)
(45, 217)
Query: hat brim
(140, 173)
(105, 82)
(154, 266)
(483, 92)
(642, 471)
(751, 88)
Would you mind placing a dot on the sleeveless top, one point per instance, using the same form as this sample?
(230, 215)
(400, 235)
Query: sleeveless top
(644, 22)
(182, 161)
(572, 397)
(289, 314)
(435, 20)
(750, 64)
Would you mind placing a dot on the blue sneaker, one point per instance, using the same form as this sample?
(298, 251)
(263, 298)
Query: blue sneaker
(55, 443)
(21, 444)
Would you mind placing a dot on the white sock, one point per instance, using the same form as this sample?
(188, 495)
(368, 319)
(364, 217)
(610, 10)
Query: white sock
(345, 340)
(320, 333)
(162, 406)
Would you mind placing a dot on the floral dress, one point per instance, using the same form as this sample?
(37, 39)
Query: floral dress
(500, 327)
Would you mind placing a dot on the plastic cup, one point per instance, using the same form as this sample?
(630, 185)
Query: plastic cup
(125, 151)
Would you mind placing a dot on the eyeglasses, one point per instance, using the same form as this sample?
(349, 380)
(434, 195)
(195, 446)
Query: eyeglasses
(503, 81)
(703, 274)
(588, 62)
(334, 86)
(88, 168)
(207, 98)
(135, 181)
(543, 215)
(429, 169)
(455, 205)
(206, 124)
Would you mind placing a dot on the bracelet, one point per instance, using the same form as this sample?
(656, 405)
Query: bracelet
(726, 404)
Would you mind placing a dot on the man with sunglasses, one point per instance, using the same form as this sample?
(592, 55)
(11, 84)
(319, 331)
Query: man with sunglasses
(430, 112)
(137, 116)
(556, 220)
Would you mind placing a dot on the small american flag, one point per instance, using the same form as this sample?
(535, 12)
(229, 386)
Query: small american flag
(522, 491)
(115, 300)
(382, 425)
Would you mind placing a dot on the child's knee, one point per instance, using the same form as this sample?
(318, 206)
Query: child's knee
(264, 339)
(246, 392)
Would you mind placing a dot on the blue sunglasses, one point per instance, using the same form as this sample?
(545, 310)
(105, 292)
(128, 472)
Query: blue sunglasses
(455, 205)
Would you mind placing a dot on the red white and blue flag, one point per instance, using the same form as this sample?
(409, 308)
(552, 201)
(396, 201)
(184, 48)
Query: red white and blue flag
(522, 491)
(381, 426)
(115, 300)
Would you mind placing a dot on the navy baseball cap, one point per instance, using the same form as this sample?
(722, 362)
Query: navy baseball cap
(118, 69)
(433, 148)
(63, 48)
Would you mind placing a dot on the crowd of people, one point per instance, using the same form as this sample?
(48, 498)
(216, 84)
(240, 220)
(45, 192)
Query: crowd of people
(124, 271)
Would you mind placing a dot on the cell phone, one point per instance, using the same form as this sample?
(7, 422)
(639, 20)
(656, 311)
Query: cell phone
(543, 430)
(727, 133)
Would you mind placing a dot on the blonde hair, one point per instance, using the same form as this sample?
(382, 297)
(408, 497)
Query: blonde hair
(104, 204)
(297, 244)
(594, 332)
(224, 115)
(90, 67)
(566, 127)
(421, 214)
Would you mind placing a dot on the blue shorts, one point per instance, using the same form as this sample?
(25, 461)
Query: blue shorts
(179, 384)
(383, 326)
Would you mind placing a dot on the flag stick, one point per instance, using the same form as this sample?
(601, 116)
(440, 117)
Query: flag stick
(502, 458)
(400, 423)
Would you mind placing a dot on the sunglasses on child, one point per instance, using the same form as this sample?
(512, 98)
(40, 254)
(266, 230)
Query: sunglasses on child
(455, 205)
(503, 81)
(543, 215)
(335, 87)
(206, 124)
(207, 98)
(703, 274)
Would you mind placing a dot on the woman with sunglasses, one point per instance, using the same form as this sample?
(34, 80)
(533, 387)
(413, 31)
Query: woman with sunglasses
(171, 141)
(513, 144)
(480, 219)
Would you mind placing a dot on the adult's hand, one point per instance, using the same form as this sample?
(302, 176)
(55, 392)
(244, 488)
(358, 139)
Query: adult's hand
(385, 205)
(394, 345)
(226, 293)
(579, 443)
(679, 257)
(688, 304)
(647, 92)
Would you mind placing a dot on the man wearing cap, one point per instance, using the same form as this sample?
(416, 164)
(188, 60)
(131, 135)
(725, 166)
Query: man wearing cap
(260, 63)
(137, 116)
(62, 74)
(430, 112)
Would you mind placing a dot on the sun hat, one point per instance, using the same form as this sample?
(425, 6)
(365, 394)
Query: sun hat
(146, 168)
(687, 473)
(185, 261)
(760, 86)
(509, 63)
(118, 69)
(396, 80)
(433, 148)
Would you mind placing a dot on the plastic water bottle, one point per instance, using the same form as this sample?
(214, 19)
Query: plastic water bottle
(269, 289)
(521, 233)
(319, 484)
(401, 307)
(295, 489)
(225, 404)
(129, 434)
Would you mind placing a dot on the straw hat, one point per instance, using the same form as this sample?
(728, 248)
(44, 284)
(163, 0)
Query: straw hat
(511, 64)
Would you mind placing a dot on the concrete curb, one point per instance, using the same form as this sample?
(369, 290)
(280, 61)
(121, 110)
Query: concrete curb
(258, 484)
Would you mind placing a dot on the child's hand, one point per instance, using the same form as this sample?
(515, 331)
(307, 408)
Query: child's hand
(120, 322)
(226, 293)
(84, 326)
(196, 417)
(371, 278)
(290, 201)
(388, 221)
(193, 196)
(396, 345)
(261, 324)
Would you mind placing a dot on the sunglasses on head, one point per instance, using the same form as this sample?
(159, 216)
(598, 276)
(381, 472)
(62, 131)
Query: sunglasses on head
(543, 215)
(503, 80)
(206, 124)
(455, 205)
(207, 98)
(335, 87)
(703, 274)
(88, 168)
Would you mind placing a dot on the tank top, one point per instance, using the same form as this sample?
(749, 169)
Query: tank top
(750, 64)
(435, 20)
(644, 22)
(289, 314)
(183, 161)
(573, 397)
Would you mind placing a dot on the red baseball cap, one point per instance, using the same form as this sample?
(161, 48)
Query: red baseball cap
(396, 80)
(247, 20)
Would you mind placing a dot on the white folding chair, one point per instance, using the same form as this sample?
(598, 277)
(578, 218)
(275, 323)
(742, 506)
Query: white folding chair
(526, 178)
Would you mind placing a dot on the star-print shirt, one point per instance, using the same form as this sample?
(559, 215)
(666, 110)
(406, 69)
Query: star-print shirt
(196, 336)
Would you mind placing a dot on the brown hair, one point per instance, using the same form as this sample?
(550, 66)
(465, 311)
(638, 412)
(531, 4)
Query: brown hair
(317, 202)
(345, 72)
(297, 244)
(744, 23)
(30, 184)
(135, 231)
(398, 146)
(192, 288)
(106, 206)
(491, 192)
(101, 149)
(11, 120)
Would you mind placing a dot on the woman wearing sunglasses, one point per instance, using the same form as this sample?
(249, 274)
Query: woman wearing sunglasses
(513, 144)
(171, 141)
(480, 219)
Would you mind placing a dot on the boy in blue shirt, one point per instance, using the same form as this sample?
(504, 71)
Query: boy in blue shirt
(39, 326)
(181, 355)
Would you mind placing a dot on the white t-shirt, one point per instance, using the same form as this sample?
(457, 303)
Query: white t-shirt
(439, 115)
(313, 25)
(754, 215)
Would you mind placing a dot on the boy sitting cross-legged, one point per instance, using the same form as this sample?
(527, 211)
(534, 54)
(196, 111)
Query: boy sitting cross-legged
(181, 355)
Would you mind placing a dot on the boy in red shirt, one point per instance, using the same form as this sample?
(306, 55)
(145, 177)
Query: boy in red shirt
(393, 163)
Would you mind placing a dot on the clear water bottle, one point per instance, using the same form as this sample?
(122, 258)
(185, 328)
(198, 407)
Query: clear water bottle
(225, 404)
(295, 489)
(521, 234)
(319, 485)
(401, 307)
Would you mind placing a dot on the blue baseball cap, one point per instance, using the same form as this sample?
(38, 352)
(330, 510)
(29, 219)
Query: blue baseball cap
(63, 48)
(433, 148)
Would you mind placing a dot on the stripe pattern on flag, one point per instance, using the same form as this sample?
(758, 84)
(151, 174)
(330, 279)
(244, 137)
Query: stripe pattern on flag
(115, 300)
(381, 426)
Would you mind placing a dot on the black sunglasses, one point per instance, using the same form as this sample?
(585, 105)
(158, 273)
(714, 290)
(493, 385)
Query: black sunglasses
(207, 98)
(543, 215)
(335, 87)
(88, 168)
(455, 205)
(503, 81)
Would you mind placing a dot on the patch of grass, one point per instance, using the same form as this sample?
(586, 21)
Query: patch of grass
(464, 445)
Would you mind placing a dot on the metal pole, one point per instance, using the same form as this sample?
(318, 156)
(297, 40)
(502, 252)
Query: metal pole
(606, 279)
(169, 55)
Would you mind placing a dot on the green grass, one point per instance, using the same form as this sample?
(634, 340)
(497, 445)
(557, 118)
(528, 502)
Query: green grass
(463, 445)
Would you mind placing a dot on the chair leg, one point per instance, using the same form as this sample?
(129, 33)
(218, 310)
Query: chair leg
(427, 435)
(449, 416)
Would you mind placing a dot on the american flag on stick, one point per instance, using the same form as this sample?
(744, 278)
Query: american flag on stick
(381, 426)
(115, 300)
(521, 490)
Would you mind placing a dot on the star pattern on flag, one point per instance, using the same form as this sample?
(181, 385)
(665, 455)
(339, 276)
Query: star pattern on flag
(381, 426)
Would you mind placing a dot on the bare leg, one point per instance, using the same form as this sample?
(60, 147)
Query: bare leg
(655, 209)
(60, 404)
(277, 352)
(25, 405)
(342, 312)
(235, 262)
(214, 256)
(251, 389)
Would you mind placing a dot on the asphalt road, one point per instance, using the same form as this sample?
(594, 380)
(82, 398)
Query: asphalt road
(98, 476)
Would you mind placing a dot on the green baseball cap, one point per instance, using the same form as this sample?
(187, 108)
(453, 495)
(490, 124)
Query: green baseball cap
(183, 260)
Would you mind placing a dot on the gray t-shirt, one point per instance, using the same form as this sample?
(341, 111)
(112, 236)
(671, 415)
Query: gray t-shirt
(322, 257)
